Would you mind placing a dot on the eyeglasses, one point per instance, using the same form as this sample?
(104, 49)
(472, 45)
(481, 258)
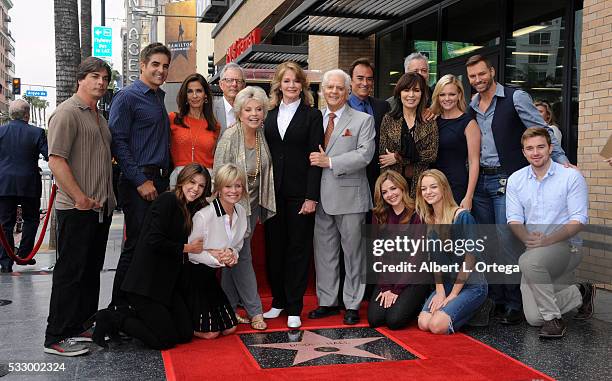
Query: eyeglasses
(229, 81)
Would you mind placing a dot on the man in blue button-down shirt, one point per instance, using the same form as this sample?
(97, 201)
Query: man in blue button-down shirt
(141, 136)
(553, 201)
(502, 114)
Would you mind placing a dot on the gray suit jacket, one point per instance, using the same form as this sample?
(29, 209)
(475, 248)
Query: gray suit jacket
(219, 111)
(344, 187)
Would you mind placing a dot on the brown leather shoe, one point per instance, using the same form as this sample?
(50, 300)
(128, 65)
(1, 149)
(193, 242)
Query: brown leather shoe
(587, 308)
(552, 329)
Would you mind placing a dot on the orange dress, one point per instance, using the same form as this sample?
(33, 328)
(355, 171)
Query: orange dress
(194, 143)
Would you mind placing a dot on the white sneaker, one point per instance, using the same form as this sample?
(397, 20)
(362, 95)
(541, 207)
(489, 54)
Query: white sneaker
(272, 313)
(294, 322)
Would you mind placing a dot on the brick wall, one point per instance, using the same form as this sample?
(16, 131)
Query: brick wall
(594, 129)
(329, 52)
(353, 48)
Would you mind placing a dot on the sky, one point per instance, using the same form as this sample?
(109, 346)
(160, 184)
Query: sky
(32, 27)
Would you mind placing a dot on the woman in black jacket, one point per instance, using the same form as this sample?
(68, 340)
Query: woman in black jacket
(293, 130)
(157, 313)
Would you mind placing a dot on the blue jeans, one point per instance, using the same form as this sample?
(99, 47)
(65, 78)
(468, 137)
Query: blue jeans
(489, 207)
(464, 306)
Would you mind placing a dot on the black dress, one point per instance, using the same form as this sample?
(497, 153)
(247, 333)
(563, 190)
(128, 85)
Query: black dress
(453, 153)
(208, 305)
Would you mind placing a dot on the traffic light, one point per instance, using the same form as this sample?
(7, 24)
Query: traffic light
(211, 64)
(16, 86)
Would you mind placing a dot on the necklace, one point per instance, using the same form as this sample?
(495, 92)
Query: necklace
(252, 177)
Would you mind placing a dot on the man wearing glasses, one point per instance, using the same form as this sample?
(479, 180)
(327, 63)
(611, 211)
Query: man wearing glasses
(231, 82)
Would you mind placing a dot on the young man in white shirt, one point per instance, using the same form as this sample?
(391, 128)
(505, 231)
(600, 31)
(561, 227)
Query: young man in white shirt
(546, 205)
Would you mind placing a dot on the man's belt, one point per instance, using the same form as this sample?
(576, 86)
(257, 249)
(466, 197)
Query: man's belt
(491, 170)
(153, 170)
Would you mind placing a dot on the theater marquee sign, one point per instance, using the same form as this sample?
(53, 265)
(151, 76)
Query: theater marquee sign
(134, 30)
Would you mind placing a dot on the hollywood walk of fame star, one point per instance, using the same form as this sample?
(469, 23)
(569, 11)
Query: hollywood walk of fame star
(313, 346)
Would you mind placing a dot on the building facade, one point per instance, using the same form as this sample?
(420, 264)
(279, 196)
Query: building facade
(7, 58)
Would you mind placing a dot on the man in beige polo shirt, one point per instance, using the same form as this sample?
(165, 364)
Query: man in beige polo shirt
(80, 159)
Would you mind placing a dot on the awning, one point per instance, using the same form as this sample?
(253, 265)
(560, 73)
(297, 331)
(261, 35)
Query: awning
(356, 18)
(262, 59)
(264, 56)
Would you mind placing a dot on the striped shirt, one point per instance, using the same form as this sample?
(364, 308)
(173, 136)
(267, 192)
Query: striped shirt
(82, 137)
(141, 130)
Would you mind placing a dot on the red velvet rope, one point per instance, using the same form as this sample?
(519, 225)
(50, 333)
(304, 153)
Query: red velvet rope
(9, 250)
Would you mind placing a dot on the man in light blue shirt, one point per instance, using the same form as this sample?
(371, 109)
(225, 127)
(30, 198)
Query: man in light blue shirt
(553, 201)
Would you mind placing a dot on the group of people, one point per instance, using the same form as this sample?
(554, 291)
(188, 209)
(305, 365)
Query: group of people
(195, 183)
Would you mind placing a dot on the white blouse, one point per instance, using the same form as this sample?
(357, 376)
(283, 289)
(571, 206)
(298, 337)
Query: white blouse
(285, 114)
(212, 224)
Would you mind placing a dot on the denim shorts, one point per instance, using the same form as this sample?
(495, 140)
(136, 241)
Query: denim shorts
(464, 306)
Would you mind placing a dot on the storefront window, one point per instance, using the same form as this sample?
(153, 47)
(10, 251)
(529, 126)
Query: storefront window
(469, 25)
(571, 149)
(390, 63)
(535, 51)
(422, 37)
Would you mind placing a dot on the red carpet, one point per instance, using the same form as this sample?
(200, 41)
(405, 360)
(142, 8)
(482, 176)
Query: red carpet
(454, 357)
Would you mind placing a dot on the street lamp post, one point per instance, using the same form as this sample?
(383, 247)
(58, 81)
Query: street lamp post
(103, 12)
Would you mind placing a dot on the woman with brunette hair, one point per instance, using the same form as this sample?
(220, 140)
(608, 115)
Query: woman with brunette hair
(459, 134)
(222, 226)
(193, 129)
(157, 313)
(397, 299)
(408, 144)
(293, 129)
(244, 144)
(458, 295)
(549, 117)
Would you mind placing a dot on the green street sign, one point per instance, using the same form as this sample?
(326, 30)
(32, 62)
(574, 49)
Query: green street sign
(102, 41)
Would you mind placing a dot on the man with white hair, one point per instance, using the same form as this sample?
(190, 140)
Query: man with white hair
(20, 147)
(345, 198)
(418, 63)
(231, 82)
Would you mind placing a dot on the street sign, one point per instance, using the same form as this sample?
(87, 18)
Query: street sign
(36, 93)
(102, 41)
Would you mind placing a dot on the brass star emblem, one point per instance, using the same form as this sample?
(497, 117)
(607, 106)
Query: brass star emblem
(313, 346)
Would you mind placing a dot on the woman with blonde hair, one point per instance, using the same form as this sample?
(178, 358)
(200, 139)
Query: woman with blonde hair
(211, 312)
(408, 143)
(293, 130)
(244, 144)
(458, 295)
(459, 144)
(397, 299)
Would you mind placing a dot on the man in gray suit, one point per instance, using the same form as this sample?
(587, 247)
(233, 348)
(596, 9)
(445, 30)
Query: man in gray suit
(231, 82)
(345, 198)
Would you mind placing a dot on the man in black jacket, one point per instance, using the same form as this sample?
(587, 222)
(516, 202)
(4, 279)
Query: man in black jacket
(20, 147)
(362, 84)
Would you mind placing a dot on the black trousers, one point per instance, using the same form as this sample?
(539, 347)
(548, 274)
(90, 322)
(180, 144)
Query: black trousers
(81, 246)
(158, 326)
(288, 254)
(30, 212)
(135, 209)
(406, 308)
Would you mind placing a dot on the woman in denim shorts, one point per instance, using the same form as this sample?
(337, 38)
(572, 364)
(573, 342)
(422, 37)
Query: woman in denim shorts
(458, 295)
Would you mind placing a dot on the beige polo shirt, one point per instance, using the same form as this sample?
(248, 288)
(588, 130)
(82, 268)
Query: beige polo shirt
(82, 137)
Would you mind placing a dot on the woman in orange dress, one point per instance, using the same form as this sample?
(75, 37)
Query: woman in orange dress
(194, 129)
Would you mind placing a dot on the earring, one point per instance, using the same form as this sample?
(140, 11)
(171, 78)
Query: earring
(205, 100)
